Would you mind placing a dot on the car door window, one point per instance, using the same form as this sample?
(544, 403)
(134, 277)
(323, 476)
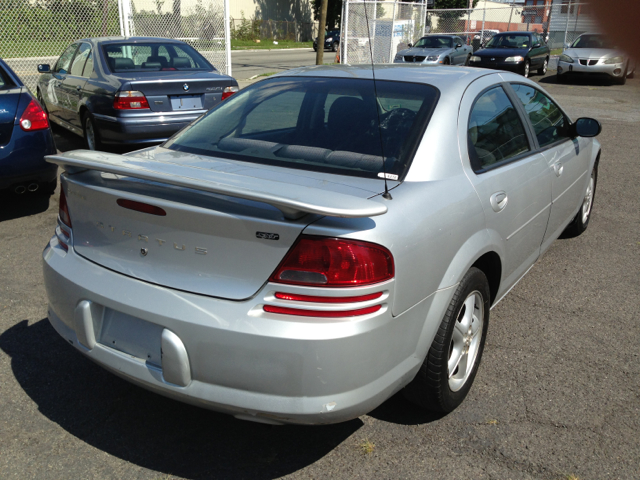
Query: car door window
(495, 132)
(549, 123)
(88, 67)
(62, 66)
(277, 113)
(77, 66)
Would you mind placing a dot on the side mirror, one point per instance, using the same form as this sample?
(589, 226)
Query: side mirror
(409, 45)
(44, 68)
(537, 45)
(458, 45)
(567, 45)
(586, 127)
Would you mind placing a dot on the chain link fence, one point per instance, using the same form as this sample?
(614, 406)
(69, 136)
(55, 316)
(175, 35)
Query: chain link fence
(391, 26)
(37, 31)
(252, 29)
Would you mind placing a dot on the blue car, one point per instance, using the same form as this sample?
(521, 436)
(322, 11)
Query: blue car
(25, 138)
(133, 91)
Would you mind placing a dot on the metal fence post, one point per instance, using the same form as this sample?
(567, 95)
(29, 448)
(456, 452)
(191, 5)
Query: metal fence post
(393, 23)
(510, 15)
(345, 32)
(227, 36)
(484, 14)
(566, 27)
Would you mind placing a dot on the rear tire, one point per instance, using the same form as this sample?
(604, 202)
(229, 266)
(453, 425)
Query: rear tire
(581, 221)
(446, 376)
(91, 134)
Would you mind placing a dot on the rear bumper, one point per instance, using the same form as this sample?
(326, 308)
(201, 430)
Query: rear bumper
(22, 159)
(143, 129)
(615, 70)
(240, 360)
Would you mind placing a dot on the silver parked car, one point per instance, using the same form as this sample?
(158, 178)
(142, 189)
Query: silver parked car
(436, 50)
(595, 54)
(313, 244)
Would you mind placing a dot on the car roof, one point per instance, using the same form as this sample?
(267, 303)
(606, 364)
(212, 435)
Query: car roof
(443, 78)
(99, 40)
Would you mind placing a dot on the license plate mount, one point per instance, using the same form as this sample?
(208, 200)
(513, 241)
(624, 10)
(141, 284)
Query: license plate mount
(186, 102)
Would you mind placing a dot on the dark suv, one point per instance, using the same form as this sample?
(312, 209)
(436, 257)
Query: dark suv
(518, 52)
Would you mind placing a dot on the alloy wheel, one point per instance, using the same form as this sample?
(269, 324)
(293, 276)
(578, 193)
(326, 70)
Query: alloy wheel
(588, 200)
(466, 340)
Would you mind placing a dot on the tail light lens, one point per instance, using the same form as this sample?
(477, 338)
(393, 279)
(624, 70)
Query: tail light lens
(130, 100)
(334, 262)
(321, 313)
(34, 117)
(63, 211)
(228, 91)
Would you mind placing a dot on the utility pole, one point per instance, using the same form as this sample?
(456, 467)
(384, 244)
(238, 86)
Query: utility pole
(321, 26)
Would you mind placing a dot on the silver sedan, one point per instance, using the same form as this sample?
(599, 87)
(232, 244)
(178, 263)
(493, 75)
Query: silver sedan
(594, 54)
(436, 50)
(317, 243)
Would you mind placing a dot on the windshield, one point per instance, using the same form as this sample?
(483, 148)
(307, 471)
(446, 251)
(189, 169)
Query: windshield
(318, 124)
(509, 41)
(434, 42)
(593, 41)
(136, 57)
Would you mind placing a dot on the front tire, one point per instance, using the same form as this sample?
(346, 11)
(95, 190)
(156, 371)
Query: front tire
(446, 376)
(91, 134)
(543, 70)
(334, 47)
(446, 61)
(467, 60)
(526, 70)
(581, 221)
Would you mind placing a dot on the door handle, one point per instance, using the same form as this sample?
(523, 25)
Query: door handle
(558, 168)
(498, 201)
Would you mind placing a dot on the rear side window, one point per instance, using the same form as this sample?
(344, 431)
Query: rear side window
(496, 132)
(549, 123)
(332, 125)
(64, 62)
(5, 81)
(79, 61)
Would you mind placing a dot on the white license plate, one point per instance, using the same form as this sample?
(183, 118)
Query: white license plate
(186, 102)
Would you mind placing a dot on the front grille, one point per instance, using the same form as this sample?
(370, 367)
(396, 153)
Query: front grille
(492, 59)
(585, 62)
(412, 59)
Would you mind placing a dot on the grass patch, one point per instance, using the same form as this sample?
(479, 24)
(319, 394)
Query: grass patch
(366, 447)
(267, 44)
(556, 51)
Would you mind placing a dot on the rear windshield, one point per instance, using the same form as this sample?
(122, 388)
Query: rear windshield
(131, 57)
(509, 41)
(593, 41)
(319, 124)
(434, 42)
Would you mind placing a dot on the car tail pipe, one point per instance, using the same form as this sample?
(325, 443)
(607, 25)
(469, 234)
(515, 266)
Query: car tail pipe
(33, 187)
(20, 189)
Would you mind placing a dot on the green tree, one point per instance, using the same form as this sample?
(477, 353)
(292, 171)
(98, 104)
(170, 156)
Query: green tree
(334, 13)
(446, 4)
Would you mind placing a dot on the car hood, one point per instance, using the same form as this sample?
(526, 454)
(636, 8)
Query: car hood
(501, 52)
(592, 52)
(423, 52)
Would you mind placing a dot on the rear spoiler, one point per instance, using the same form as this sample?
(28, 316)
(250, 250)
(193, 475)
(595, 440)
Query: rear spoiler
(294, 201)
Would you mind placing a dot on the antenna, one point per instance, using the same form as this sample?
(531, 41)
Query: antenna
(386, 195)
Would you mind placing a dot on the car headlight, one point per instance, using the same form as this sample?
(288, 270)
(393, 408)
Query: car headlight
(514, 59)
(328, 39)
(565, 58)
(612, 60)
(432, 58)
(475, 58)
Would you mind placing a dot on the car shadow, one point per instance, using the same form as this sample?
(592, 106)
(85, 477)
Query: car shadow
(152, 431)
(584, 80)
(23, 205)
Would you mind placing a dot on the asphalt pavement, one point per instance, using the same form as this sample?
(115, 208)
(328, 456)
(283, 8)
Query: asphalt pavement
(556, 396)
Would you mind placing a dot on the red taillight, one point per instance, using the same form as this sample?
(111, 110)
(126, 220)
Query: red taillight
(317, 299)
(141, 207)
(228, 91)
(63, 211)
(334, 262)
(34, 117)
(130, 100)
(321, 313)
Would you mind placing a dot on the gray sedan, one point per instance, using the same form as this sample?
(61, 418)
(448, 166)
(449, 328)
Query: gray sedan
(436, 50)
(135, 90)
(594, 54)
(318, 242)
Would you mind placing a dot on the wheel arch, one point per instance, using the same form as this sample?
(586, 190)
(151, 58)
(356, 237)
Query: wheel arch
(491, 266)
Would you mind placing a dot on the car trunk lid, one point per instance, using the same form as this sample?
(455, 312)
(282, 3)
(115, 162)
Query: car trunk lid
(214, 238)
